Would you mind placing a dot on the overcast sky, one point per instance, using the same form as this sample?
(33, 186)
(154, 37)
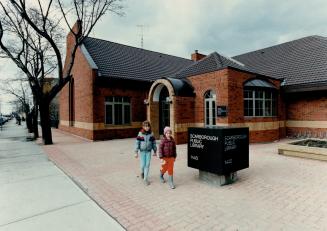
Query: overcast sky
(230, 27)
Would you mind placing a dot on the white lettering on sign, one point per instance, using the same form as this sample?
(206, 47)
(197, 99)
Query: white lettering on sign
(203, 137)
(229, 161)
(230, 141)
(194, 157)
(196, 140)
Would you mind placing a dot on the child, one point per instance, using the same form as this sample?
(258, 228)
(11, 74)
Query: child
(167, 154)
(145, 142)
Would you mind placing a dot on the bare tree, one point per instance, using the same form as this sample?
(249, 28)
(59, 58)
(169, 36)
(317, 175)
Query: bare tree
(33, 37)
(19, 89)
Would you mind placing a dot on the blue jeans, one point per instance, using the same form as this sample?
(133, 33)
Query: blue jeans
(145, 158)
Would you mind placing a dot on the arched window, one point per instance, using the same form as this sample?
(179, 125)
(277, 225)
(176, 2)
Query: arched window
(259, 98)
(210, 107)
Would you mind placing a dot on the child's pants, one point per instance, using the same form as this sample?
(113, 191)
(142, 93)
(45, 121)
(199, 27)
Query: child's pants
(168, 165)
(145, 158)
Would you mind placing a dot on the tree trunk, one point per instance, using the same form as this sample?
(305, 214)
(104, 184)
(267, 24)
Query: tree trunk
(28, 117)
(35, 122)
(29, 121)
(45, 123)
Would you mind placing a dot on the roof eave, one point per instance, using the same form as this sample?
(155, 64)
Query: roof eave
(305, 87)
(120, 78)
(256, 73)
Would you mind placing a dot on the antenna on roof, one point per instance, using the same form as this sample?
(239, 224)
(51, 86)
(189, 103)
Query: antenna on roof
(142, 27)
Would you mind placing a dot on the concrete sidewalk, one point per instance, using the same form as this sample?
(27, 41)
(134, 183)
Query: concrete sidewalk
(35, 195)
(275, 193)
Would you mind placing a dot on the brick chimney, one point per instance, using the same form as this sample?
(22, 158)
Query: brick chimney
(197, 56)
(77, 28)
(70, 40)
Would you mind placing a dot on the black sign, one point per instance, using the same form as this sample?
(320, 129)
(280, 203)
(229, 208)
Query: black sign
(221, 111)
(220, 150)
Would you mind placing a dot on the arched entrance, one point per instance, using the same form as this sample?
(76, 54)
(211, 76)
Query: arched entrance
(163, 104)
(160, 108)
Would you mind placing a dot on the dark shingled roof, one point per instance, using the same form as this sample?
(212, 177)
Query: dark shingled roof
(212, 62)
(299, 62)
(126, 62)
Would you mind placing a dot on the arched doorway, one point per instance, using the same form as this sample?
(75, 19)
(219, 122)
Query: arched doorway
(164, 109)
(210, 108)
(160, 109)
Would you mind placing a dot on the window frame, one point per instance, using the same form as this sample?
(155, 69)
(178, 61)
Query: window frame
(254, 99)
(114, 101)
(210, 97)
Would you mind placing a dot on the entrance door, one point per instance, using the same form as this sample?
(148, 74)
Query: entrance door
(164, 110)
(210, 108)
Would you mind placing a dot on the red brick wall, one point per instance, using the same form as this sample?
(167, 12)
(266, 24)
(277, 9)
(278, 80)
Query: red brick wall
(184, 109)
(88, 134)
(235, 98)
(115, 133)
(180, 137)
(264, 136)
(83, 77)
(236, 107)
(184, 113)
(137, 91)
(307, 106)
(216, 81)
(228, 85)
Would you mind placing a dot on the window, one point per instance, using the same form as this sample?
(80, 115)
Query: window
(117, 110)
(259, 102)
(210, 108)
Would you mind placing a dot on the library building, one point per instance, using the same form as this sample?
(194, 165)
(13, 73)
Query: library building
(276, 91)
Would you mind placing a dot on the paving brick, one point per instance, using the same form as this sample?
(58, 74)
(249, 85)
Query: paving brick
(275, 193)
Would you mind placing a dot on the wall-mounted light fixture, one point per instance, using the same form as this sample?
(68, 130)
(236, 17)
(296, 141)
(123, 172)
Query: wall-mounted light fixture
(146, 101)
(169, 100)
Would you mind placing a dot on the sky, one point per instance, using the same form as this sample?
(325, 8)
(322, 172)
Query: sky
(229, 27)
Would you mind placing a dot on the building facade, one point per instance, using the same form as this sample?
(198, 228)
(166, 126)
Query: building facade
(276, 91)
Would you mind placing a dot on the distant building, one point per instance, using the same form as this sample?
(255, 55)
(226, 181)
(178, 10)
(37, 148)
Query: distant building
(276, 91)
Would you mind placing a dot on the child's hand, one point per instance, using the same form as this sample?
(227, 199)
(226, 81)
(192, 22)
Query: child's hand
(136, 155)
(162, 161)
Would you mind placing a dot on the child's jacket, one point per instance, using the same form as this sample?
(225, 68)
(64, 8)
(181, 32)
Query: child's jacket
(167, 148)
(145, 141)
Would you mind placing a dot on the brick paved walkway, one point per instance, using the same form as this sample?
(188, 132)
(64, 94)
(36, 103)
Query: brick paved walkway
(275, 193)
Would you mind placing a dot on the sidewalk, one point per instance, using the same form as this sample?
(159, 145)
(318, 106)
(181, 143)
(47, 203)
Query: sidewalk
(36, 196)
(275, 193)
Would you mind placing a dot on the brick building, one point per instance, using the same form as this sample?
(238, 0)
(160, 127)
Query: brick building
(276, 91)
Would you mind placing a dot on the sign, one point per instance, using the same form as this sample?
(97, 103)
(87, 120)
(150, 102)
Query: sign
(221, 111)
(219, 150)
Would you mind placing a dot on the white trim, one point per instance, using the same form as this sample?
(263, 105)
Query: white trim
(88, 57)
(100, 126)
(306, 124)
(156, 93)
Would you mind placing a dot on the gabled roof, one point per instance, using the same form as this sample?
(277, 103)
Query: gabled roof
(126, 62)
(210, 63)
(298, 62)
